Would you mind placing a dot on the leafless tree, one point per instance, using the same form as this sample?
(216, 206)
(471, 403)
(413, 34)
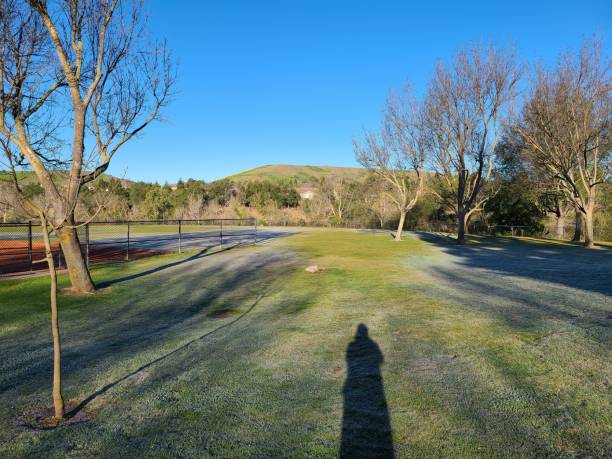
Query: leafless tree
(338, 196)
(560, 210)
(463, 111)
(566, 127)
(34, 207)
(65, 69)
(447, 196)
(78, 80)
(577, 225)
(397, 154)
(376, 198)
(554, 203)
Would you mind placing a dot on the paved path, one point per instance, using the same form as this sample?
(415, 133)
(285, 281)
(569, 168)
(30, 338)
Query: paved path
(191, 240)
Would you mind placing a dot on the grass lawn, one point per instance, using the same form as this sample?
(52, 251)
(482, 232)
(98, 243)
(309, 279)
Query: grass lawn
(499, 348)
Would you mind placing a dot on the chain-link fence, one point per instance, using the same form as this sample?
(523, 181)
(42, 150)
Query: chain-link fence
(22, 247)
(600, 232)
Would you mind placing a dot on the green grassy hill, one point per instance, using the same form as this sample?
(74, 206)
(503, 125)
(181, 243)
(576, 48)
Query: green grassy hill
(299, 175)
(27, 177)
(294, 174)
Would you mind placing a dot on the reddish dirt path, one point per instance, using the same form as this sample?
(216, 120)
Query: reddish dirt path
(15, 257)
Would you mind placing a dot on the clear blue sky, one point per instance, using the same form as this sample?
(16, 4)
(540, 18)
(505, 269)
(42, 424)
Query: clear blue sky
(265, 82)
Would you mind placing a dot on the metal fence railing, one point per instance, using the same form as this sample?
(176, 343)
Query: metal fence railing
(22, 248)
(504, 230)
(600, 233)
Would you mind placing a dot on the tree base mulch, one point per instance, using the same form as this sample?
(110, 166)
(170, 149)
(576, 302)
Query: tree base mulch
(42, 418)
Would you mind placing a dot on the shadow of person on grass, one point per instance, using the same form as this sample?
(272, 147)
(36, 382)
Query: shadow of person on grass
(366, 427)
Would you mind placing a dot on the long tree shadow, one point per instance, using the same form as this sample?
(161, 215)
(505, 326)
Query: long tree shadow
(161, 358)
(181, 299)
(201, 254)
(526, 307)
(534, 288)
(204, 252)
(366, 427)
(573, 267)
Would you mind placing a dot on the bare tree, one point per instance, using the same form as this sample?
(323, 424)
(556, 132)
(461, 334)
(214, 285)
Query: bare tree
(376, 199)
(78, 80)
(397, 155)
(577, 225)
(58, 399)
(463, 107)
(447, 196)
(566, 127)
(560, 209)
(553, 202)
(338, 195)
(30, 206)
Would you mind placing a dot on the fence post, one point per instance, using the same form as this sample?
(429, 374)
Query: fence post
(512, 230)
(255, 233)
(87, 244)
(180, 236)
(221, 233)
(127, 251)
(30, 245)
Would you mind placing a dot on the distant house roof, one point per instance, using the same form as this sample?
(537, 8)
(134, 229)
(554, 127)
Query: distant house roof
(306, 192)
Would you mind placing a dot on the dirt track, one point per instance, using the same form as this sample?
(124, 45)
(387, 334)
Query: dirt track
(15, 256)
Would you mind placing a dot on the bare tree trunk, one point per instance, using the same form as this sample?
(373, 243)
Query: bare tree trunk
(560, 226)
(461, 220)
(578, 227)
(80, 278)
(58, 400)
(466, 224)
(400, 226)
(589, 241)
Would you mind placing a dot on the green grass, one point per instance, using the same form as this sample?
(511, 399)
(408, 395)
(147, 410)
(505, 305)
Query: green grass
(302, 175)
(462, 376)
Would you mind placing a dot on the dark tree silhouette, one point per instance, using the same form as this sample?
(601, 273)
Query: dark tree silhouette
(366, 427)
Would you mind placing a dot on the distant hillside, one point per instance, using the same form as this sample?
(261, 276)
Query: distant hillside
(300, 175)
(286, 173)
(26, 177)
